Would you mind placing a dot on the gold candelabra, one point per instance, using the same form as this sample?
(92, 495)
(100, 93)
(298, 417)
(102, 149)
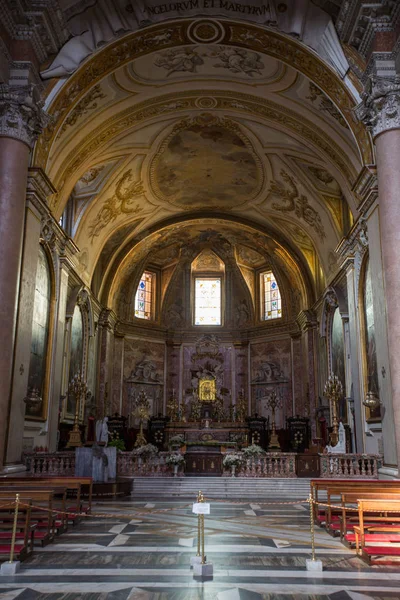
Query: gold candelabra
(241, 407)
(78, 388)
(273, 402)
(173, 407)
(333, 391)
(142, 408)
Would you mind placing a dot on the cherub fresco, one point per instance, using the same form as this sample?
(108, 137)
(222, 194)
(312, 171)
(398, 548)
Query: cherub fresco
(239, 60)
(178, 60)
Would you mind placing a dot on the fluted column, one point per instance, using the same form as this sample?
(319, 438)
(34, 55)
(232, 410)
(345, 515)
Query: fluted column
(380, 110)
(21, 119)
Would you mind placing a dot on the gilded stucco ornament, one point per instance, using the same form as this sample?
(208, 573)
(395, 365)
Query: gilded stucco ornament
(379, 108)
(21, 115)
(120, 203)
(292, 200)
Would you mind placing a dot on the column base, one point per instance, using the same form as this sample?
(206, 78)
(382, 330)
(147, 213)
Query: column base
(13, 468)
(388, 473)
(10, 568)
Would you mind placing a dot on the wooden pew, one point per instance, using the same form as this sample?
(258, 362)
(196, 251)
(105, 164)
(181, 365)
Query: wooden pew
(46, 523)
(71, 483)
(389, 511)
(59, 499)
(348, 520)
(25, 529)
(334, 487)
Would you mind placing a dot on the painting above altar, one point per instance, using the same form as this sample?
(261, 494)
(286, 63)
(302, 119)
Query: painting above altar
(207, 390)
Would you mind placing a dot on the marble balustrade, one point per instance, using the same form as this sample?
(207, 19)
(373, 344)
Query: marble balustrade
(348, 466)
(273, 464)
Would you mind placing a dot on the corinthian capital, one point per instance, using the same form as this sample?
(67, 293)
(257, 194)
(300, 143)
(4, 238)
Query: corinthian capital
(379, 108)
(21, 113)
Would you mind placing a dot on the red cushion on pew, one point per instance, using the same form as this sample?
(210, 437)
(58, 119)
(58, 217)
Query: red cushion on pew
(4, 535)
(6, 549)
(382, 550)
(374, 537)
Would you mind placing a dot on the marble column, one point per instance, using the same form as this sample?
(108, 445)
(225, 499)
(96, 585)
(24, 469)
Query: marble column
(380, 110)
(21, 119)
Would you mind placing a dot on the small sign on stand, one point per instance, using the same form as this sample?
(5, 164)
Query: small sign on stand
(199, 563)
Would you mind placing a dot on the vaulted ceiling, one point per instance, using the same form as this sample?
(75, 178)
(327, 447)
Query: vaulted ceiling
(203, 129)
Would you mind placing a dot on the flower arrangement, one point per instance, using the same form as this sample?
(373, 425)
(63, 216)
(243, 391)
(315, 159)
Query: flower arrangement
(252, 451)
(232, 459)
(116, 442)
(174, 458)
(176, 440)
(146, 451)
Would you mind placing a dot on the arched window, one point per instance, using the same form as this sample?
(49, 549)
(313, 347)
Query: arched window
(144, 298)
(271, 303)
(40, 335)
(207, 301)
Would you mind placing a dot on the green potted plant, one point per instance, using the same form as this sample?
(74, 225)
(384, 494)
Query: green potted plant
(116, 442)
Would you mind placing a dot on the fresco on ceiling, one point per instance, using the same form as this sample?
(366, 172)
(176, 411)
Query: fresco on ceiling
(206, 163)
(209, 60)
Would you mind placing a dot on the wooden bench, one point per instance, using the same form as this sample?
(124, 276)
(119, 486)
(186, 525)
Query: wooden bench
(349, 500)
(30, 483)
(24, 532)
(71, 483)
(44, 516)
(389, 515)
(334, 488)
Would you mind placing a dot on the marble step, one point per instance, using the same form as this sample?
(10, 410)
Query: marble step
(221, 487)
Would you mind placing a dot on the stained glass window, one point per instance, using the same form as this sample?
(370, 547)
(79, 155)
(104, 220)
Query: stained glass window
(144, 296)
(272, 297)
(207, 301)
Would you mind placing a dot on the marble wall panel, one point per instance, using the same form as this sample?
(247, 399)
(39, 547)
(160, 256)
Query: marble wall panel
(271, 369)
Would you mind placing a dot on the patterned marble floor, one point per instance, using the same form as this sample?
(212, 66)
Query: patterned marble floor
(258, 553)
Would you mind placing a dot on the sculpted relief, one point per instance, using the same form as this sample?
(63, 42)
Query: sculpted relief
(206, 162)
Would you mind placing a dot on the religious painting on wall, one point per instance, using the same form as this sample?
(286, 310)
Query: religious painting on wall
(271, 370)
(40, 337)
(371, 366)
(75, 356)
(337, 360)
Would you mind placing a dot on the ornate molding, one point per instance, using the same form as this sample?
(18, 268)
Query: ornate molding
(168, 35)
(379, 108)
(21, 115)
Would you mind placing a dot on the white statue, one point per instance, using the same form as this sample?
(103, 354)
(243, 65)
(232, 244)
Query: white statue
(102, 431)
(340, 447)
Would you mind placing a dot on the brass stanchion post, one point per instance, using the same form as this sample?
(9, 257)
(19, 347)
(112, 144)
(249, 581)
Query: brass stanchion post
(14, 531)
(203, 556)
(198, 527)
(313, 564)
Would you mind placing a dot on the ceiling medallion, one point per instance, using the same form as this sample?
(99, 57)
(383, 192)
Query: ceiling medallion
(205, 32)
(206, 102)
(206, 162)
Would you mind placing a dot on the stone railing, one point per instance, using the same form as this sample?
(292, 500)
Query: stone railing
(349, 466)
(273, 464)
(129, 465)
(42, 464)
